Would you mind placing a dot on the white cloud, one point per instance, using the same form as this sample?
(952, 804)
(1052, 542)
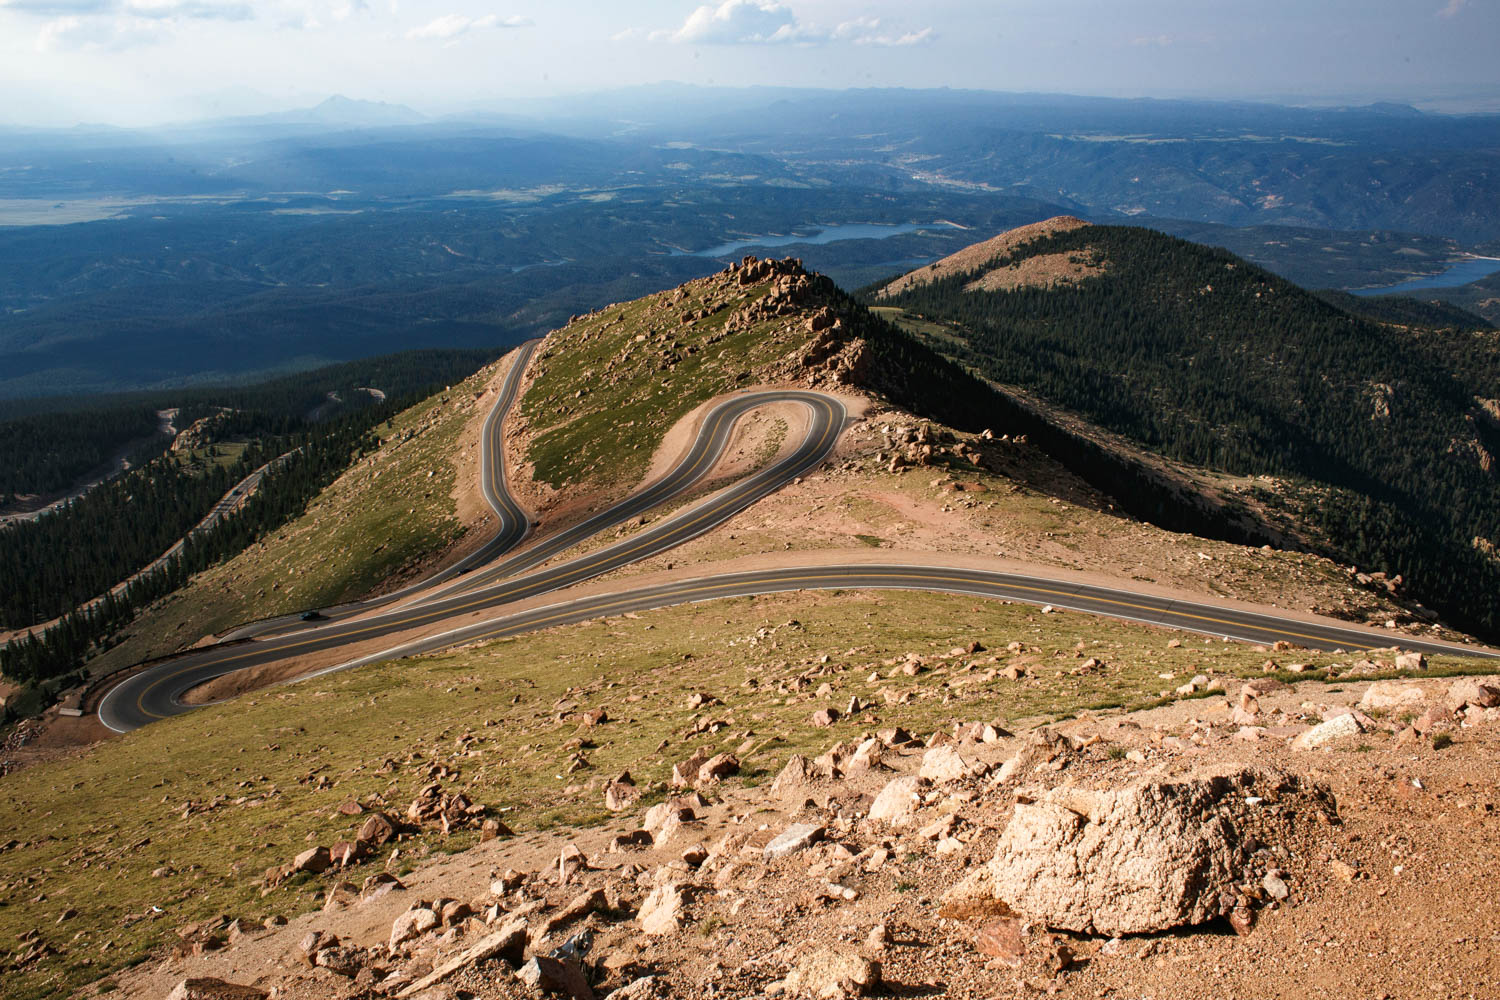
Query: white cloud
(159, 10)
(1452, 7)
(451, 26)
(766, 22)
(60, 7)
(868, 31)
(190, 10)
(738, 22)
(73, 34)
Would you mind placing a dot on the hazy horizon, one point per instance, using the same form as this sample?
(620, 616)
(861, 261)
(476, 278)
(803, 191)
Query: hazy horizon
(162, 61)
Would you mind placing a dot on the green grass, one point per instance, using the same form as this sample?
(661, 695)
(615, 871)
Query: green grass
(94, 827)
(381, 519)
(602, 400)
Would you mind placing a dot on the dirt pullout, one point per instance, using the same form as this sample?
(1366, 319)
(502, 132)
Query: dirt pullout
(974, 257)
(869, 867)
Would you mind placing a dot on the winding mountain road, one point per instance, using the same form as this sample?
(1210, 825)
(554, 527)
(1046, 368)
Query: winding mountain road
(156, 692)
(513, 523)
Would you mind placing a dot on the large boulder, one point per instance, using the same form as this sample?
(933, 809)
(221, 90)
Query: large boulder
(1326, 733)
(899, 799)
(1141, 858)
(944, 763)
(663, 910)
(554, 976)
(833, 973)
(378, 829)
(1483, 692)
(1384, 696)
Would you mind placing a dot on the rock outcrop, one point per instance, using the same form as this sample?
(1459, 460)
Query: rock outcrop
(1149, 856)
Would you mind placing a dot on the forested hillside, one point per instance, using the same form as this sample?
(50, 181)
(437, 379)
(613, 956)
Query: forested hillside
(55, 563)
(1204, 358)
(48, 444)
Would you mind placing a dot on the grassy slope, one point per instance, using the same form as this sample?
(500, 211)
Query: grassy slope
(383, 517)
(602, 396)
(220, 794)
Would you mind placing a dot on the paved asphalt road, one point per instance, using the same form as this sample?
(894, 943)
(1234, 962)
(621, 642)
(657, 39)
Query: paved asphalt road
(154, 693)
(513, 523)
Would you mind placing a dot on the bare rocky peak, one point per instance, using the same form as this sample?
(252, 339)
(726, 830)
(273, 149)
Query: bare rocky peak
(974, 257)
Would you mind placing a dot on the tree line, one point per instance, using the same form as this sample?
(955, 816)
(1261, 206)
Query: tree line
(113, 531)
(1207, 359)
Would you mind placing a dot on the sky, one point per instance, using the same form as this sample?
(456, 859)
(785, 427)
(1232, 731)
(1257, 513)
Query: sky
(135, 62)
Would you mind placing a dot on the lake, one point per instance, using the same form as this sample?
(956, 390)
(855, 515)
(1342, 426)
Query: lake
(824, 234)
(1460, 273)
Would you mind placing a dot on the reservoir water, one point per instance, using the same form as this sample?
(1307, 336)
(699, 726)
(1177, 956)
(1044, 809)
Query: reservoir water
(824, 234)
(1460, 273)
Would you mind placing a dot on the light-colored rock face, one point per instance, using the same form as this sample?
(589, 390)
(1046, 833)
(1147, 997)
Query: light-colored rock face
(1385, 695)
(662, 912)
(1325, 733)
(793, 839)
(1480, 692)
(828, 973)
(1146, 857)
(214, 989)
(944, 763)
(899, 799)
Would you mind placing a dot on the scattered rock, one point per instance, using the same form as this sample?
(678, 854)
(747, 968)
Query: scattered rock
(346, 853)
(685, 773)
(1385, 695)
(508, 943)
(945, 763)
(412, 924)
(1246, 710)
(619, 796)
(1275, 886)
(1001, 938)
(1411, 661)
(1436, 717)
(1483, 692)
(793, 776)
(315, 860)
(718, 768)
(340, 960)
